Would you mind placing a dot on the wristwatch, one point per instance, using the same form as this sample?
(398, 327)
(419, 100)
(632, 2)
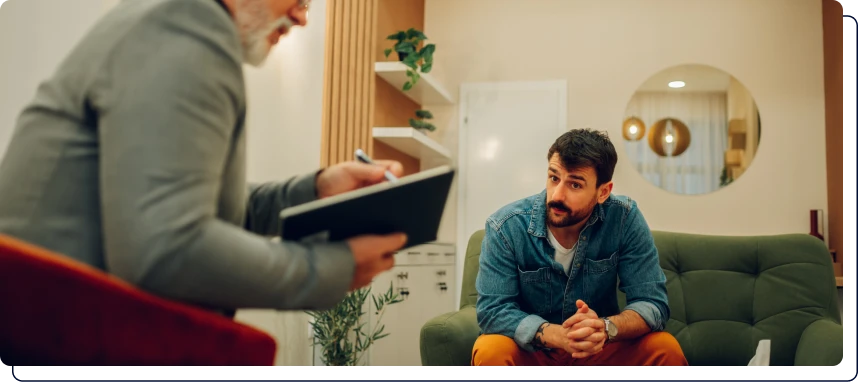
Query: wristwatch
(610, 329)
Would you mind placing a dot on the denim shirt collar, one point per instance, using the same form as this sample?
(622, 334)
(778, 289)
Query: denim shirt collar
(538, 213)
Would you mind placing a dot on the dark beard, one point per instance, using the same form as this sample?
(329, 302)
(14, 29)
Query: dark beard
(572, 217)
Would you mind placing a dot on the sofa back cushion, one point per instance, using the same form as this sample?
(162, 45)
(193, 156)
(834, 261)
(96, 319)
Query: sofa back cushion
(726, 293)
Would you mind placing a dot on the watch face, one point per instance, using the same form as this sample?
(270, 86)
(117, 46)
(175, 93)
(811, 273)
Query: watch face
(610, 328)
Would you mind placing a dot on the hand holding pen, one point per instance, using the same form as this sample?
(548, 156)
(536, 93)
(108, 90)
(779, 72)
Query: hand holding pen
(361, 156)
(349, 176)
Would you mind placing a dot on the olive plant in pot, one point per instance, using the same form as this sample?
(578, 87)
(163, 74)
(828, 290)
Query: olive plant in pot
(418, 60)
(342, 331)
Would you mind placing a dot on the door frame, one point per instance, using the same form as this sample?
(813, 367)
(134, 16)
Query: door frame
(561, 86)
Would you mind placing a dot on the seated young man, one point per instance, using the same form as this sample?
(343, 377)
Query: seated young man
(549, 267)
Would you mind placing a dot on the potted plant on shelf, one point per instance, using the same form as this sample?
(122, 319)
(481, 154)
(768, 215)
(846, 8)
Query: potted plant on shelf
(340, 332)
(417, 60)
(421, 124)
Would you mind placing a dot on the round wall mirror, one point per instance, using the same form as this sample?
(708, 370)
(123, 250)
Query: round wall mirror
(691, 129)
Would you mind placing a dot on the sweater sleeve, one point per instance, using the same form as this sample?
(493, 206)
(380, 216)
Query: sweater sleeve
(266, 200)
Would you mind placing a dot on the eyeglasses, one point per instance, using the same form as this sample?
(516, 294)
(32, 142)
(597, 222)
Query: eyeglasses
(304, 4)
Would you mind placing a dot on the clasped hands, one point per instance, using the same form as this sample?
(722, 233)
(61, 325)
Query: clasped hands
(373, 254)
(584, 331)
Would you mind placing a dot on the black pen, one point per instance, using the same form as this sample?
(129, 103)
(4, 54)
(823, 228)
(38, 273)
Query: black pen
(361, 156)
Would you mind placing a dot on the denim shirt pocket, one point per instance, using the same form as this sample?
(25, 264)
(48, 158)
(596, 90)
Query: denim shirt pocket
(600, 278)
(598, 267)
(535, 290)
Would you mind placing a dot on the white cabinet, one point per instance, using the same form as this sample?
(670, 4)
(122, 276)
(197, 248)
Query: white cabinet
(425, 277)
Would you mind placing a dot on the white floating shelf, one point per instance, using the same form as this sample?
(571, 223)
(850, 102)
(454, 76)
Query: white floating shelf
(411, 142)
(427, 91)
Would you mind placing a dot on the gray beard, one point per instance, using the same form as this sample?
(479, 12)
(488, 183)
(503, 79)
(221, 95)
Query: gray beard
(253, 29)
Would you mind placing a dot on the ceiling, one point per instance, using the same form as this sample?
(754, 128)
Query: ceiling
(698, 78)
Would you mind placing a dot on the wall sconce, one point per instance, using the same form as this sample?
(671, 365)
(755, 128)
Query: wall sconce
(634, 129)
(669, 137)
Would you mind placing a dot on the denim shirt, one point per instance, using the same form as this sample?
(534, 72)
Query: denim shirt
(520, 285)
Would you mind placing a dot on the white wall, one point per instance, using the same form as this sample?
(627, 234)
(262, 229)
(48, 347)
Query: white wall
(35, 35)
(283, 122)
(607, 48)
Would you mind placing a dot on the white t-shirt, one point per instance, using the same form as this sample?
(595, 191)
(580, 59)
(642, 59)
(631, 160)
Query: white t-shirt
(562, 255)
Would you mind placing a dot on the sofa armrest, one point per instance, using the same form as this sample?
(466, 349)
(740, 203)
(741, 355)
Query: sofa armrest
(821, 344)
(447, 340)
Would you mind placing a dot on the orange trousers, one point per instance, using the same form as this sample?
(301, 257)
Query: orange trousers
(653, 349)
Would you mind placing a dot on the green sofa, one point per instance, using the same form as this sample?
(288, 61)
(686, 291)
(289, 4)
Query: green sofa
(726, 293)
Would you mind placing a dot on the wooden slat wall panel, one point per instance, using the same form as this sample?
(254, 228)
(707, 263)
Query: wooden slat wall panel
(327, 83)
(369, 103)
(360, 74)
(349, 71)
(348, 79)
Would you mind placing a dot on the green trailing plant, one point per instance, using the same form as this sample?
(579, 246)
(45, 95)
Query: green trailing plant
(421, 123)
(339, 331)
(417, 60)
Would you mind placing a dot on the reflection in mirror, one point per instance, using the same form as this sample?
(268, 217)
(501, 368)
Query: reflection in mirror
(633, 129)
(691, 129)
(669, 137)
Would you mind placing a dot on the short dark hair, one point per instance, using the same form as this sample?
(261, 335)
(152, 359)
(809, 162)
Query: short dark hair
(582, 148)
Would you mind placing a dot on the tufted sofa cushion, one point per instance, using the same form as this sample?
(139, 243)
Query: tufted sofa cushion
(728, 293)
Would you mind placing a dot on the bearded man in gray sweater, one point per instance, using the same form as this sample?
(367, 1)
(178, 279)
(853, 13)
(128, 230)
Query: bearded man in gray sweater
(131, 158)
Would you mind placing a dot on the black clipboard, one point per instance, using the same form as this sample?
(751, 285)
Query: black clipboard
(413, 205)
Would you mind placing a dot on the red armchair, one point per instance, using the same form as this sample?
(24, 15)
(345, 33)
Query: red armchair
(59, 312)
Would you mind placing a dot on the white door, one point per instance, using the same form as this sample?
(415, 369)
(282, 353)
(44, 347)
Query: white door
(505, 132)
